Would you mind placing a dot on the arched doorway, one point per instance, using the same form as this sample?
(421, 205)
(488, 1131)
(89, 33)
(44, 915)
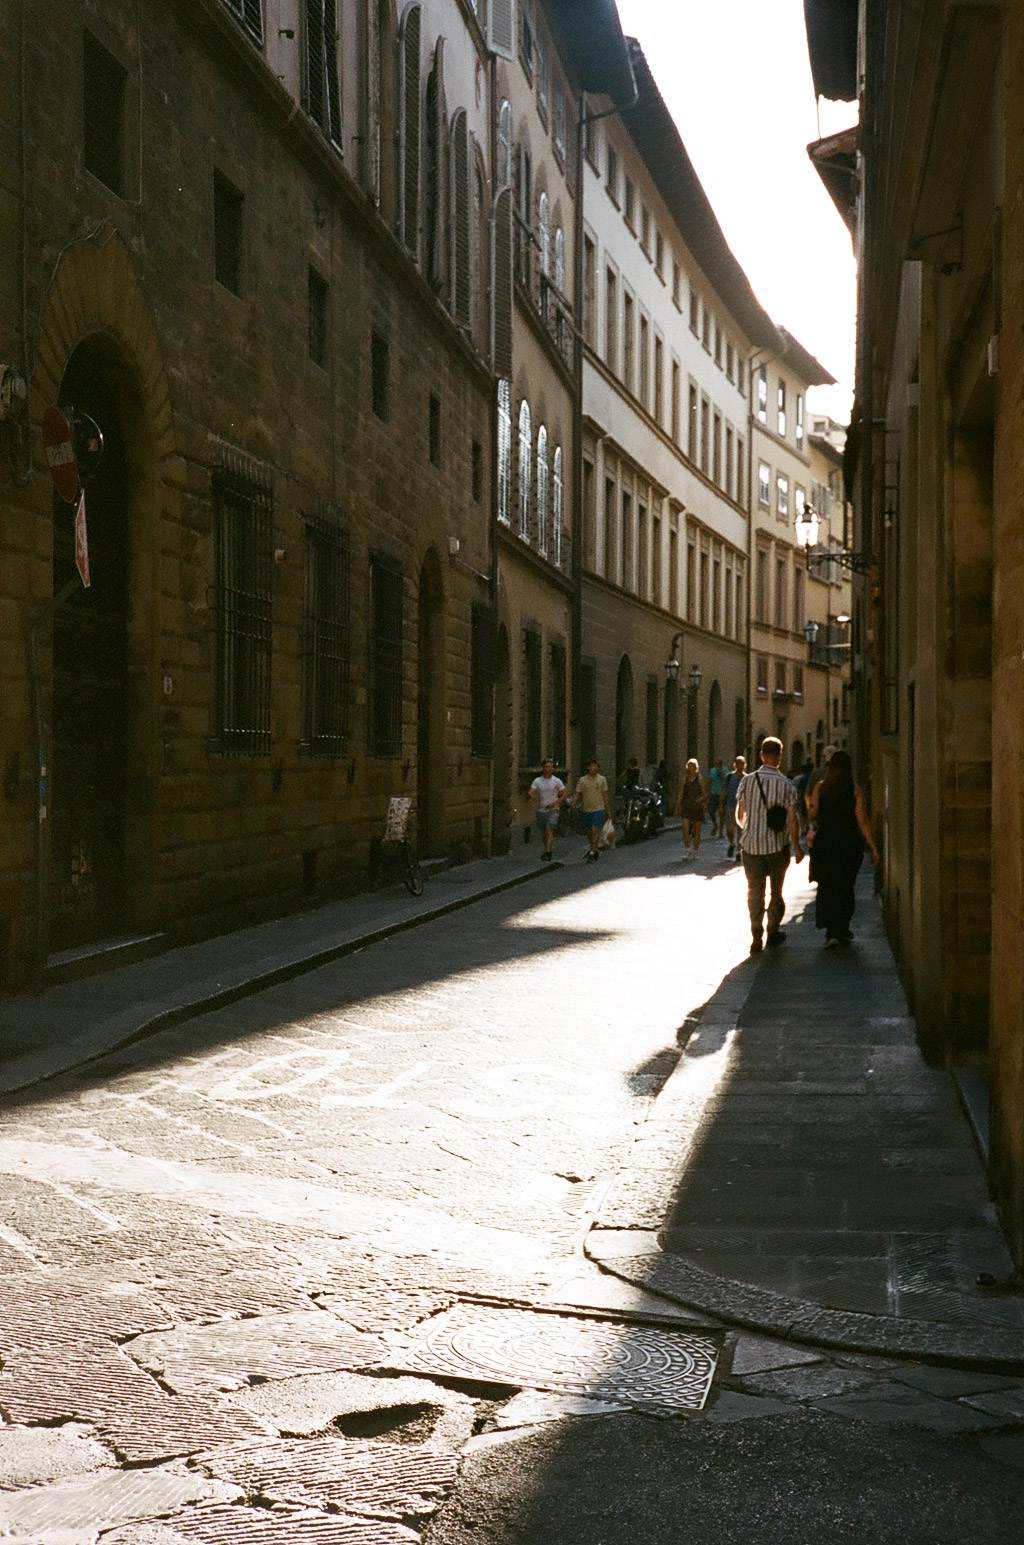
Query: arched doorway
(90, 713)
(623, 715)
(430, 767)
(714, 724)
(501, 810)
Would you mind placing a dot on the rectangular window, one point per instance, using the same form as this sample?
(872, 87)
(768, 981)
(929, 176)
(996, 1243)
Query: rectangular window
(729, 462)
(434, 430)
(761, 581)
(558, 119)
(730, 612)
(799, 422)
(741, 487)
(716, 596)
(716, 448)
(656, 586)
(780, 592)
(629, 203)
(611, 318)
(673, 571)
(705, 330)
(103, 116)
(589, 516)
(643, 387)
(628, 341)
(780, 675)
(589, 290)
(762, 676)
(740, 375)
(591, 140)
(385, 662)
(228, 205)
(609, 529)
(691, 582)
(676, 404)
(612, 175)
(705, 435)
(799, 501)
(526, 35)
(477, 461)
(798, 600)
(718, 345)
(730, 361)
(628, 549)
(651, 717)
(558, 698)
(798, 682)
(643, 563)
(380, 376)
(677, 285)
(764, 485)
(533, 713)
(645, 229)
(243, 562)
(782, 495)
(705, 615)
(322, 99)
(693, 425)
(739, 603)
(540, 59)
(481, 681)
(762, 395)
(326, 642)
(318, 292)
(782, 408)
(694, 312)
(659, 380)
(659, 255)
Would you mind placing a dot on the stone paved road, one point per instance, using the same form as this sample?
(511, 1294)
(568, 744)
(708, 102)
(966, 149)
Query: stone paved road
(213, 1243)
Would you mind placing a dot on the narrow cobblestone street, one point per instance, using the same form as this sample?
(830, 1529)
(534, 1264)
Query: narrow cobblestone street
(367, 1256)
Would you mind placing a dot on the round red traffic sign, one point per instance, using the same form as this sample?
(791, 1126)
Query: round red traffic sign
(59, 446)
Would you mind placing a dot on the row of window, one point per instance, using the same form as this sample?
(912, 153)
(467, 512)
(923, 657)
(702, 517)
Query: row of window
(539, 62)
(789, 684)
(539, 492)
(380, 403)
(779, 590)
(243, 543)
(781, 424)
(543, 734)
(783, 509)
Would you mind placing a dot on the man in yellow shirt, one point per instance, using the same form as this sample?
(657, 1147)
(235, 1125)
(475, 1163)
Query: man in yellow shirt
(592, 797)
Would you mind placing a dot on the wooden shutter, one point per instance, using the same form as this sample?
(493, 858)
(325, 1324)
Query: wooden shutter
(501, 276)
(411, 129)
(323, 102)
(460, 290)
(501, 32)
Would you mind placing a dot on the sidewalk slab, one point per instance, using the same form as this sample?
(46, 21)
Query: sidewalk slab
(824, 1185)
(75, 1022)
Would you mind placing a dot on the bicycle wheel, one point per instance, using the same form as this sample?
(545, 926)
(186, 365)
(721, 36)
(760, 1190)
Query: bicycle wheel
(411, 872)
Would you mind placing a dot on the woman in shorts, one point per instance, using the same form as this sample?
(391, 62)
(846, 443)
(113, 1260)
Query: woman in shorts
(690, 803)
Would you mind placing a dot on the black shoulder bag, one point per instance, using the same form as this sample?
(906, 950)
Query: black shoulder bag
(776, 816)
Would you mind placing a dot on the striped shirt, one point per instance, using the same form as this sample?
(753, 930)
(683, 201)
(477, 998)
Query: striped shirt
(758, 836)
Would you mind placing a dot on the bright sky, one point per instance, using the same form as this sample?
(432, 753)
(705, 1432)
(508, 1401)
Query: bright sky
(735, 76)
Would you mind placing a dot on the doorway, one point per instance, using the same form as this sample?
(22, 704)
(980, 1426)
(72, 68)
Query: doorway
(90, 706)
(430, 767)
(623, 715)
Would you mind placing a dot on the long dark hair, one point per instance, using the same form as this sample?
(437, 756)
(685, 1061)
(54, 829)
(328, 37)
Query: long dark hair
(838, 780)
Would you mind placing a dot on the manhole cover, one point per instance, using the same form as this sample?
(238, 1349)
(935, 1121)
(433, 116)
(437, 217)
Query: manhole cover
(643, 1365)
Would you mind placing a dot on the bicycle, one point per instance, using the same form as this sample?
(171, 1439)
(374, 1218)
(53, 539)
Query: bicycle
(392, 856)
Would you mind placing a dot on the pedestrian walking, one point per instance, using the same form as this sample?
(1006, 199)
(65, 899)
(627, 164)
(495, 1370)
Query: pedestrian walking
(718, 775)
(548, 794)
(816, 774)
(690, 802)
(591, 796)
(842, 828)
(766, 815)
(729, 793)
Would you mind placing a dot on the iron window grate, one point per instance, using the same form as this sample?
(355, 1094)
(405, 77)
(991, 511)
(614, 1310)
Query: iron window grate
(326, 651)
(243, 511)
(322, 97)
(250, 14)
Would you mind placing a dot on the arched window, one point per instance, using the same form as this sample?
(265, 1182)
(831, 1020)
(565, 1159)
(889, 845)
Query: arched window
(410, 128)
(503, 169)
(432, 187)
(559, 260)
(542, 490)
(459, 207)
(544, 234)
(525, 469)
(557, 505)
(504, 451)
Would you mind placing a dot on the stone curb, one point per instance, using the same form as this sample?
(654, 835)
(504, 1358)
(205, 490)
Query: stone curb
(791, 1319)
(119, 1031)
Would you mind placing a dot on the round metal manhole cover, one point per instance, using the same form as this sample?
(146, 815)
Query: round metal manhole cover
(641, 1365)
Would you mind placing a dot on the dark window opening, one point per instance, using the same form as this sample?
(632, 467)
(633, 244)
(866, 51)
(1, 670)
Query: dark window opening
(385, 662)
(323, 100)
(533, 715)
(482, 669)
(326, 639)
(103, 126)
(558, 690)
(319, 291)
(478, 472)
(380, 375)
(242, 580)
(435, 430)
(228, 204)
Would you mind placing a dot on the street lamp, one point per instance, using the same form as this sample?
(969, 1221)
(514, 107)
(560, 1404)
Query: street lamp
(672, 663)
(808, 525)
(695, 679)
(808, 529)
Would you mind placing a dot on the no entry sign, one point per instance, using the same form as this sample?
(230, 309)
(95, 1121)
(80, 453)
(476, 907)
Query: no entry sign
(59, 445)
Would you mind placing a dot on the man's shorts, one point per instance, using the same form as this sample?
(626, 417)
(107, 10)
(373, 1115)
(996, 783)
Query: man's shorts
(548, 818)
(589, 818)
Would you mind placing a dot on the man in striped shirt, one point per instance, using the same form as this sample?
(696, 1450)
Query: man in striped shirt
(766, 852)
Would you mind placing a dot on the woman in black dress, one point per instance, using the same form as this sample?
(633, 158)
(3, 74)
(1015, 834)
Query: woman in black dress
(842, 828)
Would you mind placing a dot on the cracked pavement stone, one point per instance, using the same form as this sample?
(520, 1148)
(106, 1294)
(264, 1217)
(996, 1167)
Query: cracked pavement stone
(892, 1402)
(100, 1501)
(36, 1456)
(311, 1403)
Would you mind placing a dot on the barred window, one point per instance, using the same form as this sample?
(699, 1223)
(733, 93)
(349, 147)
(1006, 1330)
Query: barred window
(542, 490)
(385, 663)
(250, 14)
(326, 639)
(322, 98)
(525, 470)
(103, 114)
(557, 506)
(558, 698)
(481, 668)
(243, 557)
(533, 721)
(544, 234)
(504, 452)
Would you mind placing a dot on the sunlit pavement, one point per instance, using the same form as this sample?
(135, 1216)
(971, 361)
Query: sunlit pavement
(223, 1249)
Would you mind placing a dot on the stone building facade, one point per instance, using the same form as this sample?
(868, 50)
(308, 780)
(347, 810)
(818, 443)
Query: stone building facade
(935, 460)
(253, 248)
